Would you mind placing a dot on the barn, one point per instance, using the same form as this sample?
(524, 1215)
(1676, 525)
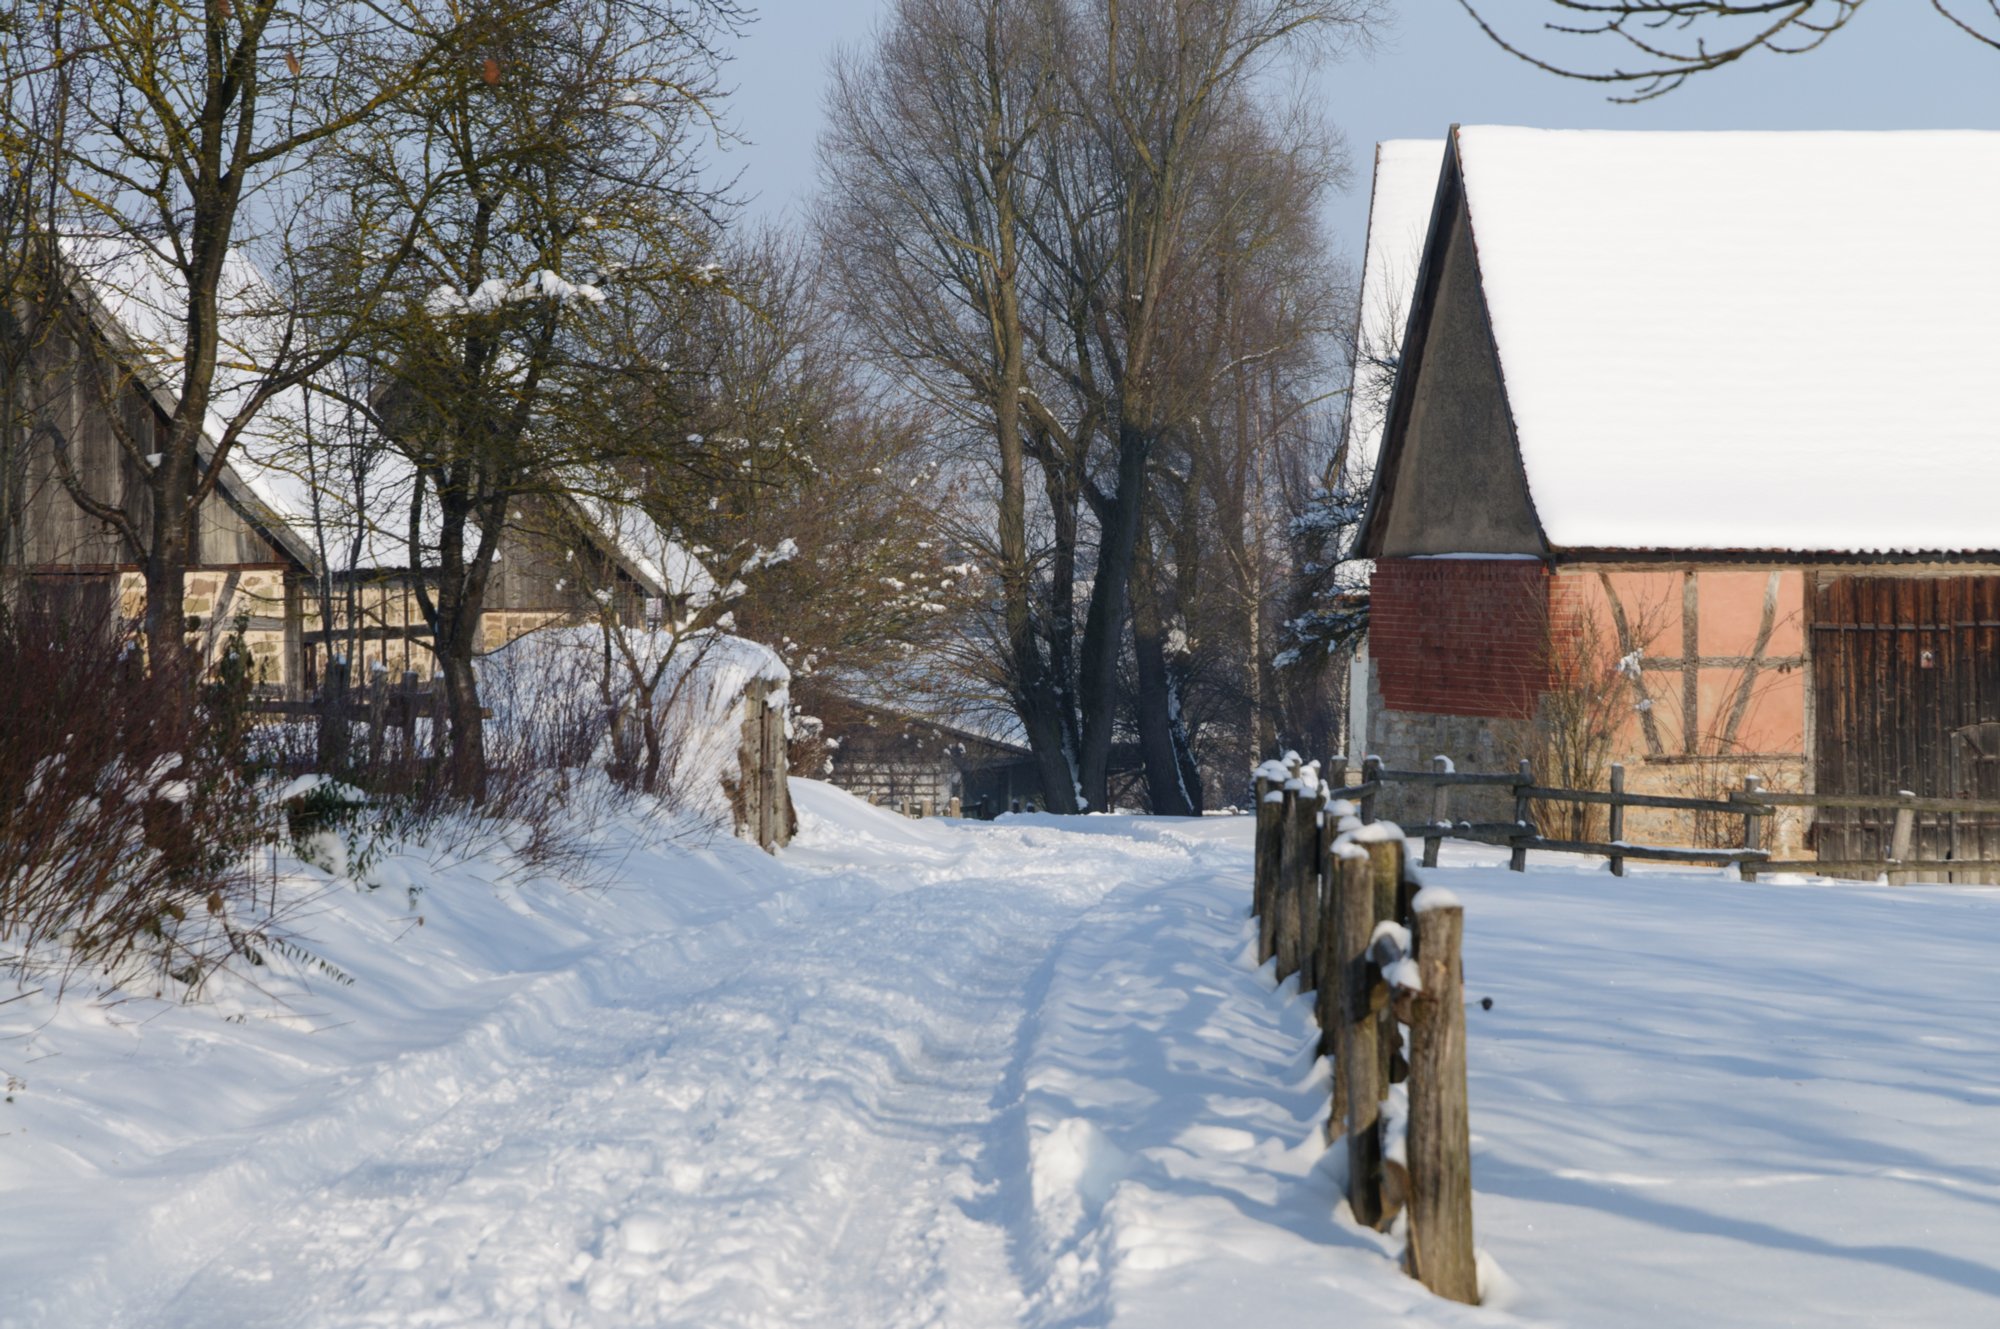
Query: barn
(1690, 460)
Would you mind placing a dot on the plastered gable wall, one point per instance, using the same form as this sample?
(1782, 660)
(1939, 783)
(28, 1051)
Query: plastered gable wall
(1457, 485)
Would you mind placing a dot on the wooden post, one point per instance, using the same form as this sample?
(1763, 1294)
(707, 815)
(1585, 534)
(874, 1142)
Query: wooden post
(1517, 861)
(333, 735)
(1439, 1145)
(1356, 1039)
(1265, 889)
(1385, 871)
(409, 717)
(955, 809)
(1371, 771)
(1326, 996)
(1617, 816)
(1753, 829)
(1899, 840)
(1440, 813)
(378, 707)
(930, 807)
(1285, 904)
(1306, 886)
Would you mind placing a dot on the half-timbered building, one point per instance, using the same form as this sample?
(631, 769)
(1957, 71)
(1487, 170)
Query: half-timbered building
(1692, 450)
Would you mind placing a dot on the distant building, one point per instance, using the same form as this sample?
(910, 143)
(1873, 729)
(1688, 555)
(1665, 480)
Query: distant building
(903, 761)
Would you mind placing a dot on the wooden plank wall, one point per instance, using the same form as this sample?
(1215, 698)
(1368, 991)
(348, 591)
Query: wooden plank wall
(1899, 664)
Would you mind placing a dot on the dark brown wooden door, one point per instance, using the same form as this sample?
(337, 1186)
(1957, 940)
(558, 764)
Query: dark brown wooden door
(1904, 669)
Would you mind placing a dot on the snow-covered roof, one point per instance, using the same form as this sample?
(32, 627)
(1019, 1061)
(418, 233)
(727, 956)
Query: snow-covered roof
(138, 296)
(1399, 214)
(139, 304)
(1747, 341)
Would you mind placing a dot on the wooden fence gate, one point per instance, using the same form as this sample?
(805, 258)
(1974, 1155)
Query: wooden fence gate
(1906, 683)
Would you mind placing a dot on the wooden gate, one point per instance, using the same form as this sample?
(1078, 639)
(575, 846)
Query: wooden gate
(1906, 671)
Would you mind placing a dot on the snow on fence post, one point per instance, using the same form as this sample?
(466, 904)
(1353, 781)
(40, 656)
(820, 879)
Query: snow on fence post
(1439, 1144)
(1440, 809)
(1753, 829)
(1385, 870)
(1617, 829)
(1357, 1031)
(1371, 774)
(1517, 861)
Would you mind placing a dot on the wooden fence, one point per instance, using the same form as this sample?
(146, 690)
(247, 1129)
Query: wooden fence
(1752, 806)
(1337, 904)
(758, 789)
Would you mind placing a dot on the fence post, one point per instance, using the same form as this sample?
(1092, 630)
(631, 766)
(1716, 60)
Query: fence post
(409, 716)
(378, 713)
(1357, 1033)
(333, 736)
(1753, 829)
(1440, 1139)
(1899, 841)
(1617, 816)
(1517, 861)
(1385, 871)
(1371, 773)
(1284, 902)
(955, 808)
(1264, 892)
(1326, 947)
(1440, 812)
(1305, 885)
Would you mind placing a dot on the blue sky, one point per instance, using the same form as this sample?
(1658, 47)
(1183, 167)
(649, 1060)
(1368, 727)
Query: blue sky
(1898, 66)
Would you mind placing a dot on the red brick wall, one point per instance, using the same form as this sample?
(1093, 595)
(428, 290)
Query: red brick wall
(1455, 636)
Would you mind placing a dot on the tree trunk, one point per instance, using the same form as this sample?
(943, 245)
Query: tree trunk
(1166, 785)
(166, 565)
(466, 765)
(1104, 628)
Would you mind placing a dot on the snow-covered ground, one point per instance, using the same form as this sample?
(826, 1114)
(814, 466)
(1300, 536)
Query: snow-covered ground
(1021, 1073)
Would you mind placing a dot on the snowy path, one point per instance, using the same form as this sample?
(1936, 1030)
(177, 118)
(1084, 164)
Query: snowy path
(776, 1120)
(673, 1161)
(840, 1104)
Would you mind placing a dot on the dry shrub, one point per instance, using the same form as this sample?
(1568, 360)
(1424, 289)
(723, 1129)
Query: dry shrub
(128, 812)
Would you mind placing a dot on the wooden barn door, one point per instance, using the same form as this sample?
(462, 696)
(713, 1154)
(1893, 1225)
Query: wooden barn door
(1906, 670)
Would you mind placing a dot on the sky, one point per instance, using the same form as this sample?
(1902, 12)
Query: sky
(1897, 66)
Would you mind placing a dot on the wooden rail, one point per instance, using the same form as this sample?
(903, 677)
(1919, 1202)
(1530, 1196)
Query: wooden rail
(1344, 911)
(1752, 804)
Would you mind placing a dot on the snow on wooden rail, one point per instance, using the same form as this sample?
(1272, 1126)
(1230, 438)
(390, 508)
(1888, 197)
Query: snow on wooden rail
(1339, 905)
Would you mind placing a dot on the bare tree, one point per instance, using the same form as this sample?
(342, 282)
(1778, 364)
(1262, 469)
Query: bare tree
(174, 144)
(1020, 211)
(1669, 41)
(925, 229)
(548, 197)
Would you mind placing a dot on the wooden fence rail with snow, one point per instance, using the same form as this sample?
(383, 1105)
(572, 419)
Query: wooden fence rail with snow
(1338, 904)
(1749, 807)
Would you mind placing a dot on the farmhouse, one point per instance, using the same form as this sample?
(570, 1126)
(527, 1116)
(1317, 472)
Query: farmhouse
(1691, 461)
(311, 561)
